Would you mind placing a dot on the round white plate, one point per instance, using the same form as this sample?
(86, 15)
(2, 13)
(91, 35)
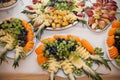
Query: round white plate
(112, 60)
(61, 72)
(10, 54)
(62, 28)
(13, 5)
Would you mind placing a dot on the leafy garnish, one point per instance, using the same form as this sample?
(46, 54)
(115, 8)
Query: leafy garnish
(27, 12)
(45, 65)
(62, 4)
(83, 21)
(98, 51)
(89, 62)
(118, 31)
(118, 60)
(31, 22)
(77, 71)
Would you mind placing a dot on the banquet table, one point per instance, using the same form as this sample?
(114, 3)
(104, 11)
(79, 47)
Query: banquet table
(30, 70)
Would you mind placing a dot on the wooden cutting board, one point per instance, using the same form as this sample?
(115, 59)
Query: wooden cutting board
(9, 76)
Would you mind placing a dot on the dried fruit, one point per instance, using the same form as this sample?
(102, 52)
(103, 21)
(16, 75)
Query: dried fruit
(116, 24)
(113, 51)
(47, 39)
(39, 49)
(41, 59)
(110, 40)
(112, 31)
(74, 37)
(88, 46)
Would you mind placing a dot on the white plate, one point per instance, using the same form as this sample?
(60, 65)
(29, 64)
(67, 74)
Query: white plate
(99, 30)
(90, 3)
(61, 72)
(62, 28)
(112, 60)
(13, 5)
(10, 54)
(96, 30)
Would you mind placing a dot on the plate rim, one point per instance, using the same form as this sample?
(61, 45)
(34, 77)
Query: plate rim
(98, 30)
(11, 6)
(62, 28)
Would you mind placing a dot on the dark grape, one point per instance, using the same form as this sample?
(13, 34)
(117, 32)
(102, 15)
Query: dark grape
(72, 48)
(59, 40)
(75, 12)
(22, 43)
(24, 32)
(22, 37)
(52, 50)
(51, 5)
(117, 42)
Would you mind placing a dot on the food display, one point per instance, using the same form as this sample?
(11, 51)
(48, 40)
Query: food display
(101, 14)
(70, 54)
(113, 43)
(17, 35)
(55, 14)
(59, 52)
(4, 4)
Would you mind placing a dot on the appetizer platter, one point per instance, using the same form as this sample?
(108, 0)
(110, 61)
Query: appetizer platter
(69, 54)
(10, 54)
(7, 4)
(101, 14)
(55, 14)
(16, 39)
(113, 43)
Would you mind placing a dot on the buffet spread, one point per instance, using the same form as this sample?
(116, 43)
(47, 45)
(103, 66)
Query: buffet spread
(67, 38)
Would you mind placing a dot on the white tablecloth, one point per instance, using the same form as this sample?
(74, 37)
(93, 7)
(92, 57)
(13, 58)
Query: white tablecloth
(30, 65)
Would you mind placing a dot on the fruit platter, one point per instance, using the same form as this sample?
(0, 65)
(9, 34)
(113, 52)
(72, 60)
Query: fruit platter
(101, 14)
(6, 4)
(16, 39)
(70, 54)
(113, 43)
(79, 52)
(55, 14)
